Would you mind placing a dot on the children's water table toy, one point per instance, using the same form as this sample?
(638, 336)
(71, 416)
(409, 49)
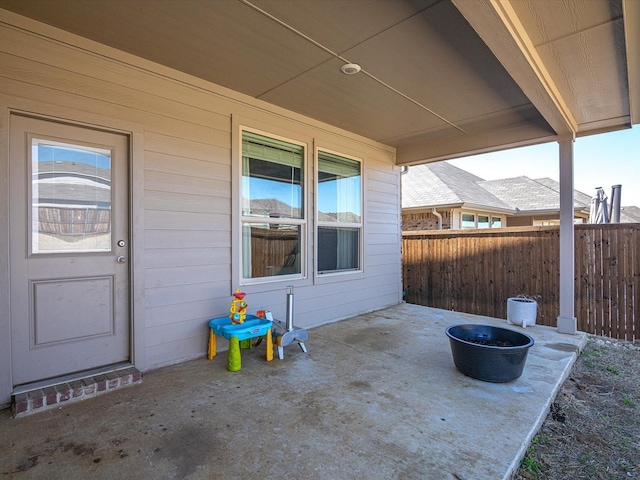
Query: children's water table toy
(238, 308)
(252, 327)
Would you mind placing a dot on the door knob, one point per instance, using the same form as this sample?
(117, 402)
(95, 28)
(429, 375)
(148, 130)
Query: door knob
(121, 259)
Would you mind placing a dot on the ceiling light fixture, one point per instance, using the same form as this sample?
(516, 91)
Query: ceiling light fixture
(350, 68)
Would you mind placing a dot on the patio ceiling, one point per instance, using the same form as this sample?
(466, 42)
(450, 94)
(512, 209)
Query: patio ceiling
(440, 78)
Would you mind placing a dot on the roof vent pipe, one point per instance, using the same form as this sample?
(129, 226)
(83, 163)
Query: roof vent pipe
(614, 209)
(435, 212)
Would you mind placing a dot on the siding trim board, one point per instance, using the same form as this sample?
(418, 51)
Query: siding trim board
(5, 311)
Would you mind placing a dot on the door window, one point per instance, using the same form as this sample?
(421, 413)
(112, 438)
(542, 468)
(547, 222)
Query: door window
(70, 198)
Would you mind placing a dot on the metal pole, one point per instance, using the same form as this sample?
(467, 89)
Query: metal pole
(289, 316)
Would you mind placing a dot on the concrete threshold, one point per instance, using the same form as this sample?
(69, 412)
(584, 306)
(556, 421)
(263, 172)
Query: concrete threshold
(376, 396)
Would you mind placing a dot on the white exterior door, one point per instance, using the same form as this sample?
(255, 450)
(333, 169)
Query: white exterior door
(69, 245)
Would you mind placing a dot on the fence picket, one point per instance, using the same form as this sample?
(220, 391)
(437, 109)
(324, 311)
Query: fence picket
(615, 279)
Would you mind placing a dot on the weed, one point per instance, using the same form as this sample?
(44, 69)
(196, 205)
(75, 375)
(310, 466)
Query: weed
(586, 458)
(613, 370)
(542, 439)
(531, 464)
(628, 402)
(596, 352)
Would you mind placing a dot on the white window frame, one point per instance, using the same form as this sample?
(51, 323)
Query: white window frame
(475, 220)
(338, 274)
(237, 213)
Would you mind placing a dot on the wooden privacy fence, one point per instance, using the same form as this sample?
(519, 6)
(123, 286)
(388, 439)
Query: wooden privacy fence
(74, 223)
(475, 271)
(276, 252)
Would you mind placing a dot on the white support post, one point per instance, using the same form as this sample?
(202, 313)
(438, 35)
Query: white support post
(567, 322)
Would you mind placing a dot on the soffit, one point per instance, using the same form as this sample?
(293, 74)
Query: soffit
(575, 41)
(441, 78)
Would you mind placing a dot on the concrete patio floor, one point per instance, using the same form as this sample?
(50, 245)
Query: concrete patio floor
(376, 396)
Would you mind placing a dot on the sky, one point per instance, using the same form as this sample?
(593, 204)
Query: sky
(599, 161)
(95, 157)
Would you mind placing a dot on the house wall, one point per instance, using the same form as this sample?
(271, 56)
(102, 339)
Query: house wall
(525, 221)
(413, 221)
(184, 164)
(537, 220)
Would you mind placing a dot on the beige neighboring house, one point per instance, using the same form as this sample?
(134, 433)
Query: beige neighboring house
(443, 196)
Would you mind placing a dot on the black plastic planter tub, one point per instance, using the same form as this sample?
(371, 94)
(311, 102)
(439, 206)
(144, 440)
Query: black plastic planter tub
(488, 353)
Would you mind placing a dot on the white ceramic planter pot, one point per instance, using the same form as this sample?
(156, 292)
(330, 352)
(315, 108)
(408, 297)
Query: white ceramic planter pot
(521, 311)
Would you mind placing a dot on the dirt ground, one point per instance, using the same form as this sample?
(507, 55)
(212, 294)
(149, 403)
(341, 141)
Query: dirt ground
(593, 427)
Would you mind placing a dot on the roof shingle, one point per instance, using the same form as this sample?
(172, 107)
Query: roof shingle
(437, 184)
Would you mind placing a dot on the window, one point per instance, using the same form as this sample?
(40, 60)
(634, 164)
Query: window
(339, 218)
(473, 220)
(468, 220)
(273, 210)
(70, 198)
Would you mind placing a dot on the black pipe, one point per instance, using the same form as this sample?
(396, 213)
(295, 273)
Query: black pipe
(614, 209)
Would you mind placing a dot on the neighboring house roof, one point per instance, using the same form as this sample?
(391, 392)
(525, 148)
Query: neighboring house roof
(271, 207)
(526, 194)
(442, 184)
(578, 196)
(630, 214)
(274, 208)
(72, 185)
(439, 184)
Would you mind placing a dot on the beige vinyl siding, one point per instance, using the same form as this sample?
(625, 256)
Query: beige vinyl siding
(182, 185)
(187, 213)
(383, 233)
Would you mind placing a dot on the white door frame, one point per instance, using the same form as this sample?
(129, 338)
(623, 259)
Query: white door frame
(9, 105)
